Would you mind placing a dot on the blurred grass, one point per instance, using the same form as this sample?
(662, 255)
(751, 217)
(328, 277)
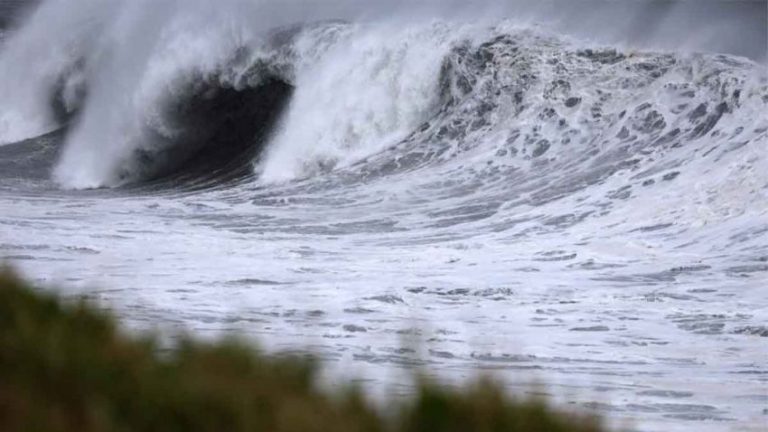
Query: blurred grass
(67, 367)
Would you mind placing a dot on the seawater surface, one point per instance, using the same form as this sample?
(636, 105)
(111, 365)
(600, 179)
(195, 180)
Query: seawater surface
(453, 196)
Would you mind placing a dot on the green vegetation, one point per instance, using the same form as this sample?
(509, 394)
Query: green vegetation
(67, 367)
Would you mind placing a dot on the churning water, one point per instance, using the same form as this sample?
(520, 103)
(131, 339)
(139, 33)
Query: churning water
(575, 198)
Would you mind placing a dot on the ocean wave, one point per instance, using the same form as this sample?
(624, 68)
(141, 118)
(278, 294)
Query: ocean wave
(201, 93)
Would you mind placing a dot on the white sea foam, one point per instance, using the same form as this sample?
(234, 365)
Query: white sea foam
(588, 214)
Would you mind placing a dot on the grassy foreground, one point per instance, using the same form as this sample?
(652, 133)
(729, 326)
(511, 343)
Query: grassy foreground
(68, 367)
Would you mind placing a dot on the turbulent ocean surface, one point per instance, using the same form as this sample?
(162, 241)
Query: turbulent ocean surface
(580, 214)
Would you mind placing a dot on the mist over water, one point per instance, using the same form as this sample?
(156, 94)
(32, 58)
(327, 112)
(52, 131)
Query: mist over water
(574, 193)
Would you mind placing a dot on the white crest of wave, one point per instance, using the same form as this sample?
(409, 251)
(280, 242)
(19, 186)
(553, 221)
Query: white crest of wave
(359, 88)
(33, 60)
(369, 90)
(167, 49)
(131, 54)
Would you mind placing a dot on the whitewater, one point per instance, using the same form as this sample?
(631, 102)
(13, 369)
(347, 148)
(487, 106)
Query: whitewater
(574, 202)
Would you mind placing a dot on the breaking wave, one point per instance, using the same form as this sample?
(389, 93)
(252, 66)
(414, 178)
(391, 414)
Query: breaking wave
(207, 94)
